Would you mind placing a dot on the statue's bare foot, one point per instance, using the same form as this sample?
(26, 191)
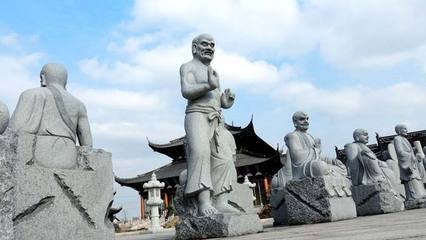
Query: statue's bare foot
(223, 206)
(226, 208)
(206, 209)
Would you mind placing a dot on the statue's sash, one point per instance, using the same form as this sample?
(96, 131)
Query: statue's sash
(60, 105)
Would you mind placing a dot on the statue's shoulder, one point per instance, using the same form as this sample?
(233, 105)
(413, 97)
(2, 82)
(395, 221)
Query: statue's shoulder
(291, 136)
(187, 67)
(35, 92)
(397, 138)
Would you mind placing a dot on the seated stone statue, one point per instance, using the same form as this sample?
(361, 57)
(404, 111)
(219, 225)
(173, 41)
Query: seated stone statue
(408, 164)
(364, 166)
(319, 190)
(372, 177)
(305, 152)
(55, 118)
(4, 117)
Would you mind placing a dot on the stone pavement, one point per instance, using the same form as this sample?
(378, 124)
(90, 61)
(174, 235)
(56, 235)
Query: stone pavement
(410, 224)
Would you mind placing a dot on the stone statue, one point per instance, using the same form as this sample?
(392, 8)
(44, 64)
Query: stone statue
(210, 147)
(210, 195)
(408, 164)
(364, 166)
(305, 152)
(62, 190)
(4, 117)
(56, 119)
(310, 187)
(372, 177)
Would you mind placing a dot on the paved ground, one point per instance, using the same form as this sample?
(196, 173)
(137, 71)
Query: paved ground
(409, 224)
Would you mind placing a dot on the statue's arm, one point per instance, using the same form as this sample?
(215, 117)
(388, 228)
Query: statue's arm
(83, 128)
(295, 148)
(189, 86)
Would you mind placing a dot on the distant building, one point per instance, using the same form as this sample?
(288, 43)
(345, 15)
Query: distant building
(255, 158)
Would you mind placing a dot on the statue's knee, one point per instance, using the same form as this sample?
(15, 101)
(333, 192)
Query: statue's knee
(320, 168)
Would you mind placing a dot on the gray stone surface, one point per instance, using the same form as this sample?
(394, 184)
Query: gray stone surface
(218, 225)
(394, 226)
(4, 117)
(376, 199)
(57, 118)
(415, 203)
(305, 152)
(61, 203)
(8, 159)
(210, 147)
(410, 174)
(192, 225)
(319, 199)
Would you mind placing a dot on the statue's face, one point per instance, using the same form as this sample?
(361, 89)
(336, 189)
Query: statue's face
(302, 122)
(403, 131)
(204, 49)
(363, 137)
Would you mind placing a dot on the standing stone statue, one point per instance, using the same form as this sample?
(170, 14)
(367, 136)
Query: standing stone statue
(409, 168)
(210, 150)
(319, 190)
(4, 117)
(56, 118)
(210, 146)
(63, 191)
(374, 184)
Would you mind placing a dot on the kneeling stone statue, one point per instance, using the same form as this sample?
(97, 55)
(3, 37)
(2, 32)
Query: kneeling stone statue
(376, 186)
(62, 191)
(319, 190)
(209, 201)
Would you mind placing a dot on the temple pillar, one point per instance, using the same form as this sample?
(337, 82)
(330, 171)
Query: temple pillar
(142, 200)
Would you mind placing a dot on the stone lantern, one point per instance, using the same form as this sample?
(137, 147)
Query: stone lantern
(250, 185)
(154, 201)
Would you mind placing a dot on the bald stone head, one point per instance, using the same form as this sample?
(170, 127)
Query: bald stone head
(401, 129)
(53, 73)
(203, 48)
(301, 121)
(360, 135)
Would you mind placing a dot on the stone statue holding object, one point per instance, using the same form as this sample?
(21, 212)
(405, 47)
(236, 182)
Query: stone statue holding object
(319, 189)
(211, 177)
(372, 177)
(409, 163)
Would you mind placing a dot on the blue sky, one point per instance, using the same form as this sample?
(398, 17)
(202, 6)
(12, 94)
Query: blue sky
(349, 64)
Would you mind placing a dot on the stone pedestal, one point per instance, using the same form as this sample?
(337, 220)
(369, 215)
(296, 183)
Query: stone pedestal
(378, 199)
(57, 204)
(7, 185)
(279, 210)
(218, 225)
(192, 226)
(416, 203)
(319, 199)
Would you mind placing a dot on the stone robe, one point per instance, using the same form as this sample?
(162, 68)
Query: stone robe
(408, 165)
(54, 142)
(365, 168)
(210, 147)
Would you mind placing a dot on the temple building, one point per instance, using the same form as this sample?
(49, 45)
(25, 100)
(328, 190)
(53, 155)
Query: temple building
(380, 148)
(255, 158)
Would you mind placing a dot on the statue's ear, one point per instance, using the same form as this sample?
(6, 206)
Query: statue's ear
(194, 48)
